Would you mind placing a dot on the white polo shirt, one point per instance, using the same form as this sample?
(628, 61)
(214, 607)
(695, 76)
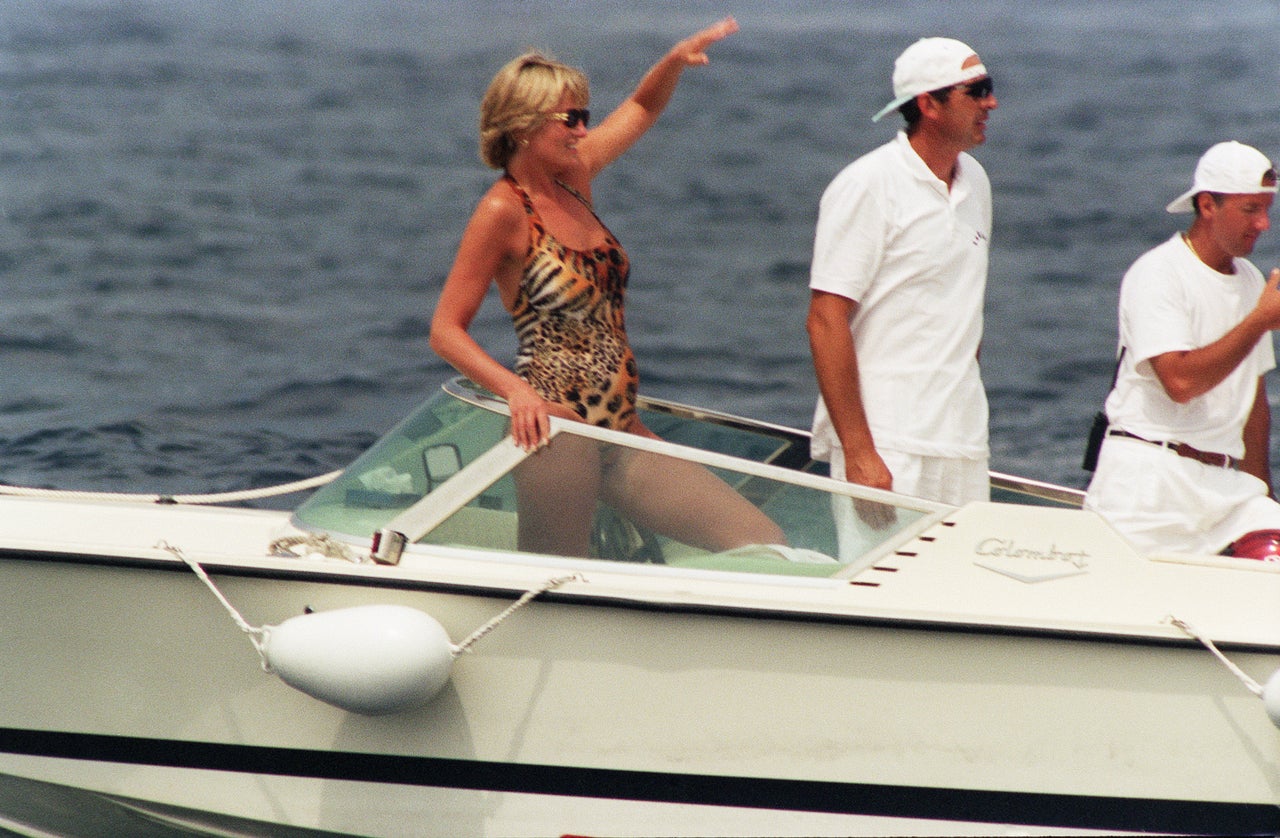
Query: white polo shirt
(913, 255)
(1171, 301)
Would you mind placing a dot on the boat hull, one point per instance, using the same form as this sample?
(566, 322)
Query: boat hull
(134, 681)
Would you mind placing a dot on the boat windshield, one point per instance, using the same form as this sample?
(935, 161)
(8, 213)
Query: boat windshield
(449, 475)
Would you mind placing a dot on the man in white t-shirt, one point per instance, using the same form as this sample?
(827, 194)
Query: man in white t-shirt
(897, 284)
(1185, 463)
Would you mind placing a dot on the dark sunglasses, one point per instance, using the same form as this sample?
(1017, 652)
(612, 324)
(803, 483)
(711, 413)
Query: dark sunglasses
(572, 118)
(980, 89)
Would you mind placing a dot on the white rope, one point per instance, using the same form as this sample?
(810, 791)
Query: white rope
(253, 494)
(551, 584)
(255, 634)
(1191, 631)
(316, 543)
(223, 497)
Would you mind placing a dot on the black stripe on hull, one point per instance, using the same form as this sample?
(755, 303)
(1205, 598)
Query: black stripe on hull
(1013, 808)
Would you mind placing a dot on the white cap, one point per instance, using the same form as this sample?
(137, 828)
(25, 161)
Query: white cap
(1229, 168)
(931, 64)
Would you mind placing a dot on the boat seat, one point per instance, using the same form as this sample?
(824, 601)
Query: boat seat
(762, 558)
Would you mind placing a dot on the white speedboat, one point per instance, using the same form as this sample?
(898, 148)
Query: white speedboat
(387, 659)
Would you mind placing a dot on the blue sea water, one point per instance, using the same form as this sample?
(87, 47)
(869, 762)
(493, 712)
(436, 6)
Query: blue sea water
(224, 223)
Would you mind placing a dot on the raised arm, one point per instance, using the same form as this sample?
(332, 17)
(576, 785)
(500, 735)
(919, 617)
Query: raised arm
(1187, 374)
(621, 129)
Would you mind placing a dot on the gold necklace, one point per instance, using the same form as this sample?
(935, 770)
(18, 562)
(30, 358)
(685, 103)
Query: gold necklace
(1187, 241)
(1229, 266)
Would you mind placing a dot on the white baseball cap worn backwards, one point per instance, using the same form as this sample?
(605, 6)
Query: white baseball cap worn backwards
(931, 64)
(1229, 168)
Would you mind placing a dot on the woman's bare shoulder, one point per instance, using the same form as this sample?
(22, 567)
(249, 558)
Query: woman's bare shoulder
(501, 200)
(499, 210)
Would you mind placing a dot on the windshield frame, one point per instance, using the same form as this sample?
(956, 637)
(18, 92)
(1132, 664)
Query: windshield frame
(438, 505)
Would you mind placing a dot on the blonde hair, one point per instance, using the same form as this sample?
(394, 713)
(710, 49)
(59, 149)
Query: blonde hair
(519, 97)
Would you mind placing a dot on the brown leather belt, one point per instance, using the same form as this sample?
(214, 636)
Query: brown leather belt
(1209, 458)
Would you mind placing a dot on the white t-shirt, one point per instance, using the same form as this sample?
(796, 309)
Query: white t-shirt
(1171, 301)
(913, 255)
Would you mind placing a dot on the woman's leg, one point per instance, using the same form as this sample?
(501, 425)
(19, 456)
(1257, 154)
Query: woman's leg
(684, 501)
(556, 493)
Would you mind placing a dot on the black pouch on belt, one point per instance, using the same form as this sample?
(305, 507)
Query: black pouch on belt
(1096, 433)
(1099, 429)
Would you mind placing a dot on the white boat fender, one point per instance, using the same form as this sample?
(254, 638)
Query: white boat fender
(370, 659)
(1271, 698)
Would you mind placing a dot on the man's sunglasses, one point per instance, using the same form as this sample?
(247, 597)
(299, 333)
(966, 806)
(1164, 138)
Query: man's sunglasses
(980, 89)
(572, 118)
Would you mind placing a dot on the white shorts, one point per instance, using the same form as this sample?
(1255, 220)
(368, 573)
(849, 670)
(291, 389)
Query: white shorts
(1162, 502)
(951, 480)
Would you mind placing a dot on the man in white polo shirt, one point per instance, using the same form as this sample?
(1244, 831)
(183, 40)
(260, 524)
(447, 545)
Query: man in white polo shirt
(1184, 466)
(897, 284)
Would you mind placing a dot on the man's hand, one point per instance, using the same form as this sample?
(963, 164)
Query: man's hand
(867, 468)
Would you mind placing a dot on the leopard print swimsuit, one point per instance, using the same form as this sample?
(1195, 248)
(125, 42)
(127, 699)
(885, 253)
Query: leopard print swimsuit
(568, 315)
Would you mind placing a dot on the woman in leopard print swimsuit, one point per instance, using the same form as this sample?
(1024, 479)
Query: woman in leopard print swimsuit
(562, 275)
(568, 316)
